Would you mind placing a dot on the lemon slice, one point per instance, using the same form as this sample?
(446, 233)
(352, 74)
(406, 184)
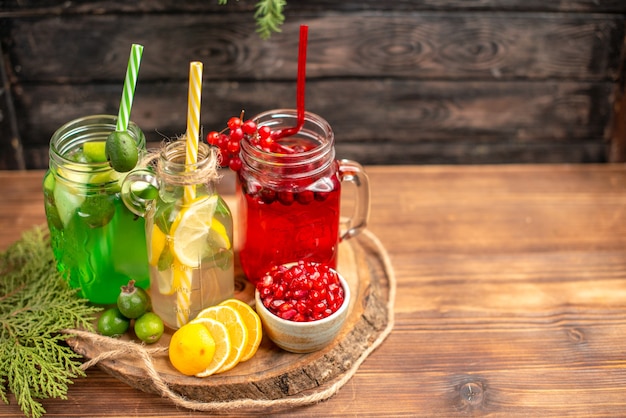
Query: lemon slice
(218, 237)
(237, 331)
(158, 241)
(253, 324)
(191, 229)
(222, 344)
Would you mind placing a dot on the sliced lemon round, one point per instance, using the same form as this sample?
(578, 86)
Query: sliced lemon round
(253, 324)
(237, 332)
(190, 230)
(222, 344)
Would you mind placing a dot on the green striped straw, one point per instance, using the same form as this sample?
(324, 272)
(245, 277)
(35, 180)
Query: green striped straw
(129, 87)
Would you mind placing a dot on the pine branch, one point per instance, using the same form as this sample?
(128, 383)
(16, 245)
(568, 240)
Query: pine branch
(269, 16)
(35, 307)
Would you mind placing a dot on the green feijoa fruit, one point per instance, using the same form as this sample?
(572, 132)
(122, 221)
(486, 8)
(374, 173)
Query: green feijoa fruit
(121, 151)
(112, 323)
(149, 327)
(97, 210)
(133, 301)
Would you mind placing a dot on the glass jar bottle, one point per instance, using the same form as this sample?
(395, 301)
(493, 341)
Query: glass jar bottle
(289, 202)
(189, 233)
(99, 245)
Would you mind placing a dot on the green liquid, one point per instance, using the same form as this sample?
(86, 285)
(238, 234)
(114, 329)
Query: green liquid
(97, 253)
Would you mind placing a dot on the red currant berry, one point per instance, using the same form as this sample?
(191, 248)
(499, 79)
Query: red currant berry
(233, 146)
(305, 197)
(224, 158)
(234, 123)
(249, 127)
(267, 195)
(266, 143)
(213, 138)
(236, 134)
(223, 141)
(265, 132)
(235, 163)
(285, 197)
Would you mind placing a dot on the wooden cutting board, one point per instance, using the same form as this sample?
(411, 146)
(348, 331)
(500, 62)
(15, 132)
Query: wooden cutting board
(273, 379)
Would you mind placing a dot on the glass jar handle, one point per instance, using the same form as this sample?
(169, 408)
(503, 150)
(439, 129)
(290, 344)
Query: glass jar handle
(139, 189)
(353, 172)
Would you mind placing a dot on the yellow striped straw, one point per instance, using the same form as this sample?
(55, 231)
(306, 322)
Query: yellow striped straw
(183, 296)
(193, 122)
(182, 275)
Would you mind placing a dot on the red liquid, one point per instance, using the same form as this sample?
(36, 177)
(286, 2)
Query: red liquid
(282, 226)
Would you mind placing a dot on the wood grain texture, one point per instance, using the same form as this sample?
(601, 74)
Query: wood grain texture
(510, 300)
(15, 7)
(419, 122)
(452, 45)
(401, 82)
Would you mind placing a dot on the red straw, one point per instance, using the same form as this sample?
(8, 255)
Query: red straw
(300, 89)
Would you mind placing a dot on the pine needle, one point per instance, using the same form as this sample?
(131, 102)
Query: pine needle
(35, 306)
(269, 16)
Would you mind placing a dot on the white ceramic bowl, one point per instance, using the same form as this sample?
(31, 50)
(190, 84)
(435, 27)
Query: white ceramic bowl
(304, 337)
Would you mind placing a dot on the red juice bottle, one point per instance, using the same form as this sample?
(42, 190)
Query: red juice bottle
(289, 199)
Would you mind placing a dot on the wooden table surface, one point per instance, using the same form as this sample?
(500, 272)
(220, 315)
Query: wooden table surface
(511, 296)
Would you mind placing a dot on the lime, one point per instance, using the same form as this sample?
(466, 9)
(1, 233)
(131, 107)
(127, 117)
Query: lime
(145, 190)
(112, 323)
(121, 151)
(149, 327)
(48, 183)
(97, 210)
(94, 151)
(67, 201)
(52, 214)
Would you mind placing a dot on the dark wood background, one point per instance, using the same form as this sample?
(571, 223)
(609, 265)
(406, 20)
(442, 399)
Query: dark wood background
(400, 81)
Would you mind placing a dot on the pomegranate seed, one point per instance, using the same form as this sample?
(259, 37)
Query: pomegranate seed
(305, 291)
(288, 314)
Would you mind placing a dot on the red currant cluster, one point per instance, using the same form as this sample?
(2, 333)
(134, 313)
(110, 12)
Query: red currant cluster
(229, 144)
(303, 292)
